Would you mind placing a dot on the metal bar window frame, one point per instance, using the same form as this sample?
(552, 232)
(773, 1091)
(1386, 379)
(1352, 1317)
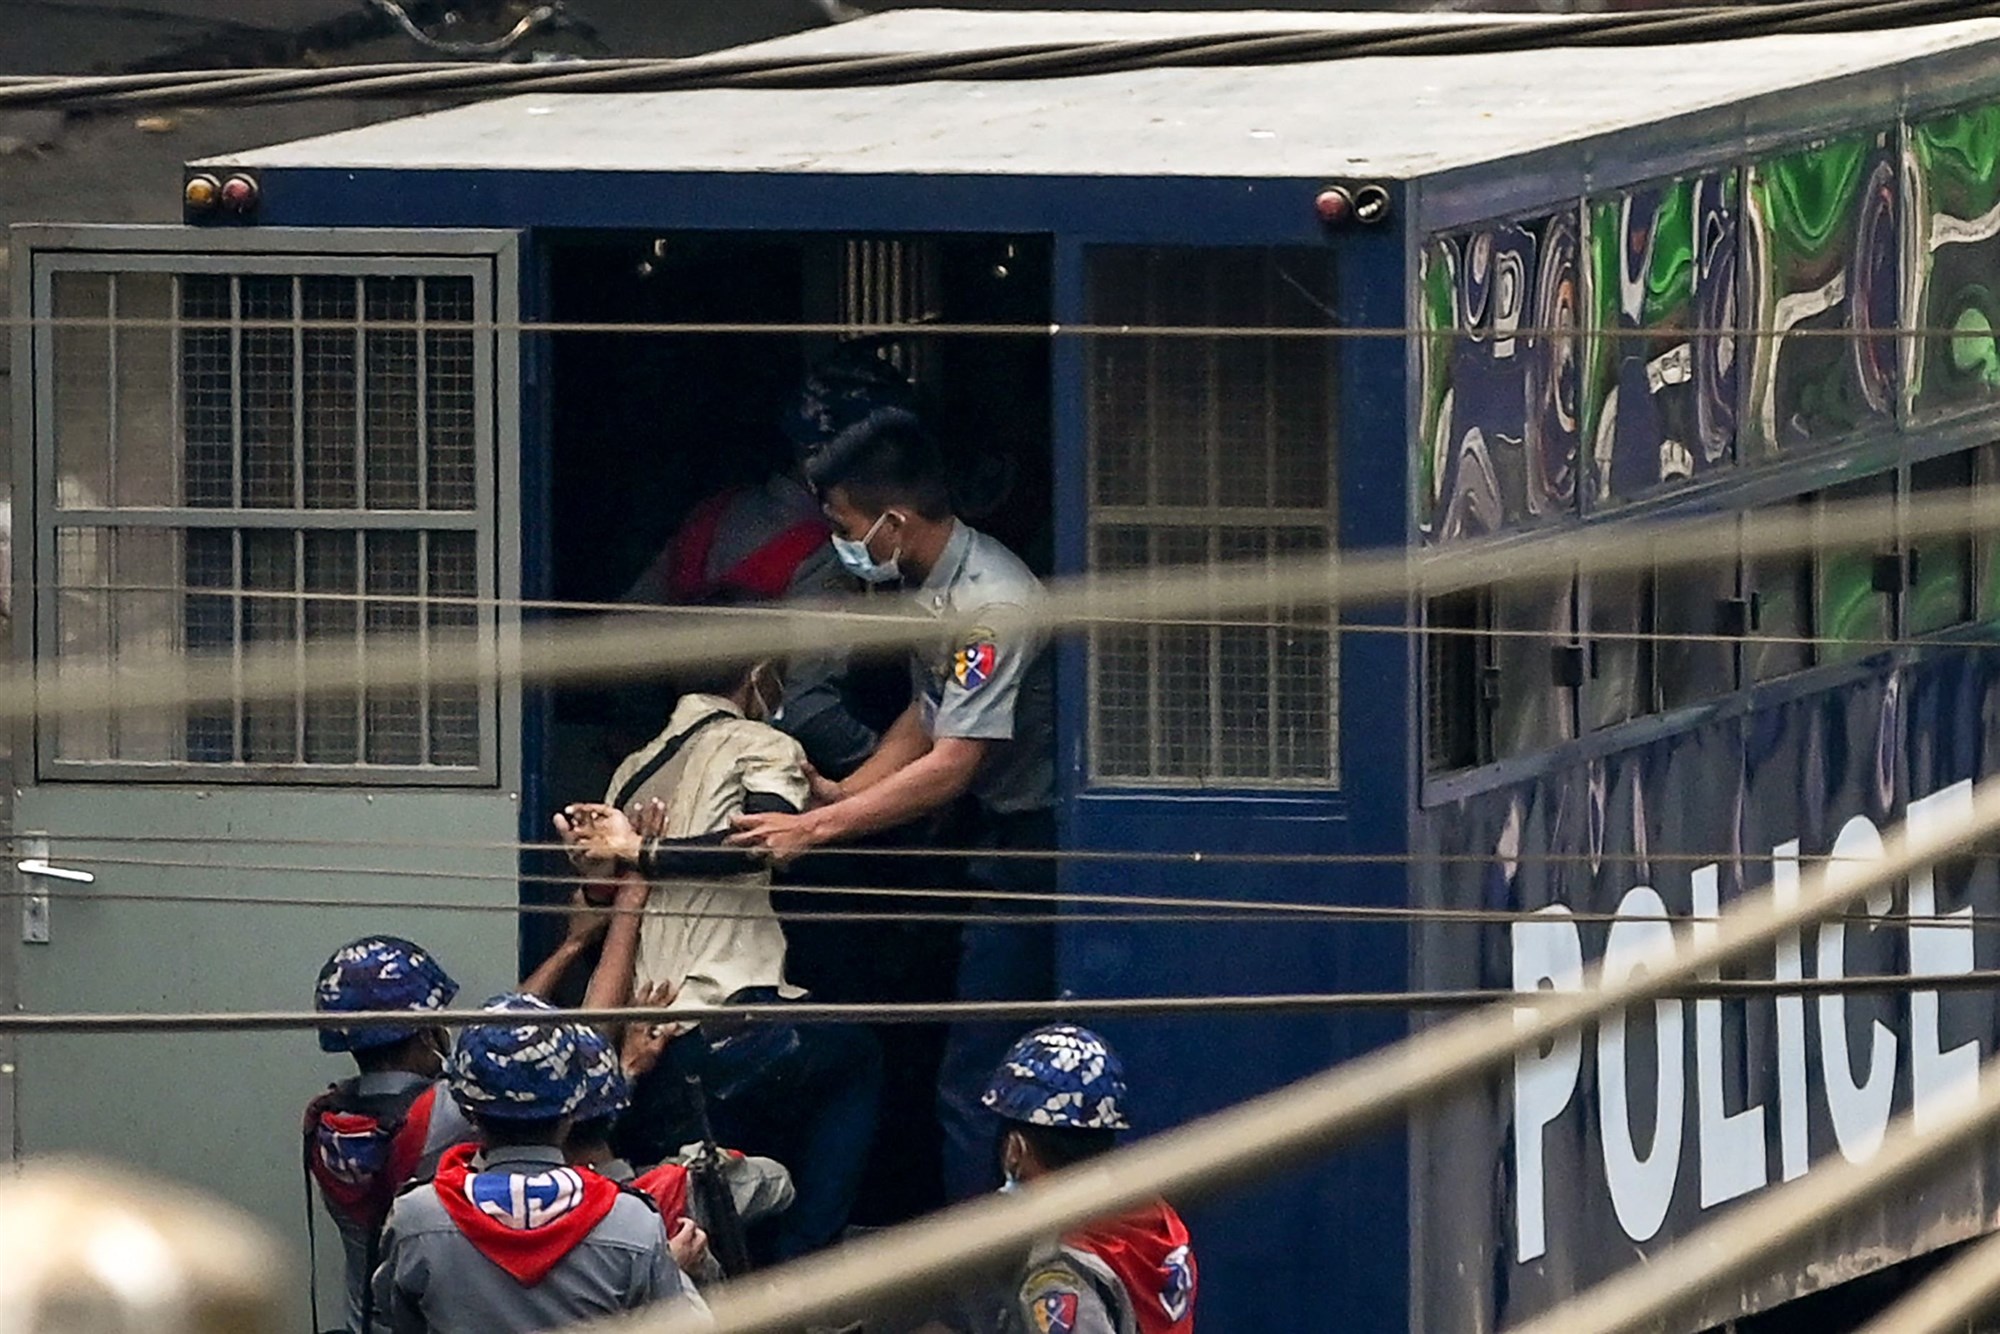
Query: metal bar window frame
(486, 260)
(1214, 520)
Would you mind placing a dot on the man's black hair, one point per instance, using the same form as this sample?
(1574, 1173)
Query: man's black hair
(720, 676)
(1057, 1147)
(506, 1132)
(884, 461)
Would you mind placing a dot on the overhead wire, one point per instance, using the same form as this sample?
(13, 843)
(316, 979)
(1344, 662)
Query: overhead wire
(1866, 643)
(1262, 1004)
(579, 650)
(1064, 908)
(1190, 857)
(1195, 857)
(1046, 60)
(917, 332)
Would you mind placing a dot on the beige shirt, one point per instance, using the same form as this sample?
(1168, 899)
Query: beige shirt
(713, 937)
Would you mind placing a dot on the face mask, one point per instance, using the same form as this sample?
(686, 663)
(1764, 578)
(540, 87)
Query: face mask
(856, 560)
(761, 708)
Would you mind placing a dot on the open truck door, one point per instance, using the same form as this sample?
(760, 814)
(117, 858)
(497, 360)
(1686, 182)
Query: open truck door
(233, 441)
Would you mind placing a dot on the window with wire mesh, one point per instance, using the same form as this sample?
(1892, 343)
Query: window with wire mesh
(270, 481)
(1212, 451)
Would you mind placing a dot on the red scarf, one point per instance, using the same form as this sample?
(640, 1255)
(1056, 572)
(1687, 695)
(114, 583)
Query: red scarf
(524, 1222)
(668, 1185)
(1149, 1252)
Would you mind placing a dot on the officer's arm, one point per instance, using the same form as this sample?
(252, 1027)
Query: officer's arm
(902, 745)
(930, 782)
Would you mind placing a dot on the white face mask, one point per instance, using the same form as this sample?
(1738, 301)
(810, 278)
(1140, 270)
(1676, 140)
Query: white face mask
(855, 559)
(762, 708)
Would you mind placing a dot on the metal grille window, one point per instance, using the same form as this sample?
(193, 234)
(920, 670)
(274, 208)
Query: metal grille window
(272, 462)
(1213, 451)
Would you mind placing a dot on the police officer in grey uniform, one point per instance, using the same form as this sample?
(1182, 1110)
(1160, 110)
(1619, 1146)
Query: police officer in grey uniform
(509, 1238)
(980, 723)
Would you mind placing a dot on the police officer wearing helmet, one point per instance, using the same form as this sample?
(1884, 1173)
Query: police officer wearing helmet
(980, 723)
(508, 1238)
(1060, 1095)
(368, 1136)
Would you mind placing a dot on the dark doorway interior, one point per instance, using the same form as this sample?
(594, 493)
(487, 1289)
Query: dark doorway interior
(645, 423)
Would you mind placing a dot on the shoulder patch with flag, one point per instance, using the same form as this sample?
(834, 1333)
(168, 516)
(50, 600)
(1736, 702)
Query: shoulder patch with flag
(972, 666)
(1055, 1312)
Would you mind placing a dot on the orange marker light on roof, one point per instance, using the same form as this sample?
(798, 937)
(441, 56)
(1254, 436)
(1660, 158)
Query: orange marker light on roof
(201, 194)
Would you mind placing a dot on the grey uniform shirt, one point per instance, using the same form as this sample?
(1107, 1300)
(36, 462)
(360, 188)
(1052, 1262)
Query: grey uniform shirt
(1057, 1288)
(1072, 1289)
(433, 1278)
(983, 679)
(448, 1127)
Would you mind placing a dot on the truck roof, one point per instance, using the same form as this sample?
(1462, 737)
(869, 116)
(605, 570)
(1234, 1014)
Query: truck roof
(1393, 117)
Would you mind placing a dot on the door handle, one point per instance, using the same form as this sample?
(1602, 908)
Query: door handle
(40, 866)
(34, 862)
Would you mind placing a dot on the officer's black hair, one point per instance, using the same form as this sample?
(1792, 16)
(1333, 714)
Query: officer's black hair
(1057, 1147)
(884, 461)
(502, 1132)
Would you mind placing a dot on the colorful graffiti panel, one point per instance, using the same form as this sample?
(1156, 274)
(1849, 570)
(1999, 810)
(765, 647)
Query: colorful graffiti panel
(1659, 385)
(1498, 442)
(1822, 254)
(1952, 173)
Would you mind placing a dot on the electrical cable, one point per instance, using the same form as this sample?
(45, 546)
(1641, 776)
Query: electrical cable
(1234, 913)
(611, 648)
(852, 329)
(1049, 60)
(1749, 638)
(1096, 856)
(1010, 1011)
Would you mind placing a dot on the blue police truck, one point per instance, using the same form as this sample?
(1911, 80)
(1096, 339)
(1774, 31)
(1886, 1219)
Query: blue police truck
(346, 380)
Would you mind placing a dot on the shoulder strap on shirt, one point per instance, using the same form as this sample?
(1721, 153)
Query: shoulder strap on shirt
(664, 756)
